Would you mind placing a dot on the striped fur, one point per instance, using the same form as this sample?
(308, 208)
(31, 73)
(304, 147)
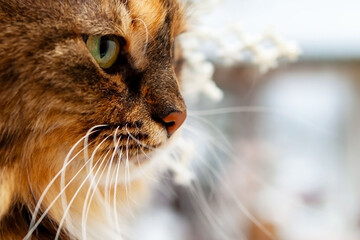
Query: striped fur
(52, 92)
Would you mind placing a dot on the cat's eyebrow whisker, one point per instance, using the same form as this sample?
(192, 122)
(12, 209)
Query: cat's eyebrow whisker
(36, 224)
(67, 162)
(77, 192)
(146, 34)
(87, 202)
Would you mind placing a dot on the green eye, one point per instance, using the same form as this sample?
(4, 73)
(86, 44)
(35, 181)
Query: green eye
(105, 49)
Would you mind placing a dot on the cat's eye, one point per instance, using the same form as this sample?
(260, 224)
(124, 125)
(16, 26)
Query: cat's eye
(105, 49)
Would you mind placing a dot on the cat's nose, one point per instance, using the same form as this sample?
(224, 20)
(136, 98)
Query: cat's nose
(173, 121)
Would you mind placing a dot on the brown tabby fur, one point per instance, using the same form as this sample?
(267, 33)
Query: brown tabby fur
(52, 92)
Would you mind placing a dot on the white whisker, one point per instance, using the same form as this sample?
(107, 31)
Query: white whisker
(241, 207)
(216, 129)
(115, 194)
(108, 179)
(204, 209)
(37, 208)
(63, 173)
(78, 190)
(255, 109)
(36, 224)
(139, 142)
(87, 202)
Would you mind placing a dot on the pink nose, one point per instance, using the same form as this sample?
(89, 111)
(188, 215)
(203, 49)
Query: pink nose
(173, 121)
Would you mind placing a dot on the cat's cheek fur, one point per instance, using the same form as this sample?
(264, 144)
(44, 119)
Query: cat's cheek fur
(101, 223)
(7, 188)
(130, 195)
(52, 92)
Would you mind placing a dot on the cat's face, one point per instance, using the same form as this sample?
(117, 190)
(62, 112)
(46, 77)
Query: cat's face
(58, 90)
(97, 72)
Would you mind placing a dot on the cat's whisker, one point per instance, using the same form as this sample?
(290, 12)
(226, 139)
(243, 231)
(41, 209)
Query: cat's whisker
(256, 109)
(88, 201)
(229, 110)
(115, 185)
(128, 177)
(90, 169)
(209, 218)
(37, 223)
(86, 140)
(224, 141)
(233, 158)
(117, 224)
(141, 146)
(90, 166)
(127, 170)
(138, 141)
(126, 180)
(244, 166)
(63, 174)
(78, 191)
(217, 173)
(86, 152)
(143, 173)
(216, 142)
(67, 162)
(234, 198)
(212, 144)
(111, 173)
(203, 208)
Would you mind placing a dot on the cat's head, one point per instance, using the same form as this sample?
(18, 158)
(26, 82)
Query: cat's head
(69, 66)
(105, 68)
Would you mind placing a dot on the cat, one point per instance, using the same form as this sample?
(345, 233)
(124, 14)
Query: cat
(89, 93)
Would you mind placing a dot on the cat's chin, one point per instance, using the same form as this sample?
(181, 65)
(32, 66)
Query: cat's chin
(144, 165)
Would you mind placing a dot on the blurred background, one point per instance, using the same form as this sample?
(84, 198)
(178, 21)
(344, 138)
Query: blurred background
(287, 150)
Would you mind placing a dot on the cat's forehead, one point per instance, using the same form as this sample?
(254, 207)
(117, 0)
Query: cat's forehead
(142, 23)
(155, 13)
(138, 21)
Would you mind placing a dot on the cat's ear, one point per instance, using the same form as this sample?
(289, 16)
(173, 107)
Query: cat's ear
(7, 189)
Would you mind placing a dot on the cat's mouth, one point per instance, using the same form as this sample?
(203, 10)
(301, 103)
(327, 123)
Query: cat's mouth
(127, 142)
